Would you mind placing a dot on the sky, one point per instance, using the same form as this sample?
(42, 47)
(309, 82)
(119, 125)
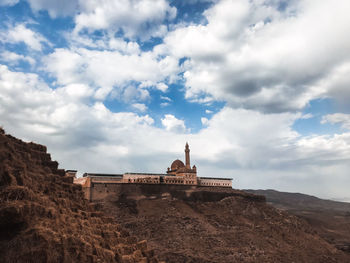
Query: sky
(260, 89)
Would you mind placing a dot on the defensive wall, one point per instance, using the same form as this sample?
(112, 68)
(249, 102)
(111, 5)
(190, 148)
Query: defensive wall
(102, 187)
(98, 186)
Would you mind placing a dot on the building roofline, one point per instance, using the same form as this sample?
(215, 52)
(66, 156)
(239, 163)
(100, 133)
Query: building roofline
(216, 178)
(100, 174)
(141, 174)
(145, 174)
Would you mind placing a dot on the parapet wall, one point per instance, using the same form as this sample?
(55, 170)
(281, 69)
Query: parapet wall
(214, 182)
(100, 191)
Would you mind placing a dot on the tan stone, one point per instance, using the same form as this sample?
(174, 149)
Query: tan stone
(142, 245)
(100, 186)
(127, 259)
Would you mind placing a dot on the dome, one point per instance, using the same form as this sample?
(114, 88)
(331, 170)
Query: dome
(177, 164)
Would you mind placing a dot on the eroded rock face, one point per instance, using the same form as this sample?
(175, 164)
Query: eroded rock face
(44, 218)
(216, 225)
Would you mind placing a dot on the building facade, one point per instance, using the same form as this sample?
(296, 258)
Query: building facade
(177, 174)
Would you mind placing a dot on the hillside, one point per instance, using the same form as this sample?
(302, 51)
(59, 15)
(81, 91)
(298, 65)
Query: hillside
(44, 218)
(330, 219)
(183, 224)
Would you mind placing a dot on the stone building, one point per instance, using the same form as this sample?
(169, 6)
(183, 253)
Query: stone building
(177, 174)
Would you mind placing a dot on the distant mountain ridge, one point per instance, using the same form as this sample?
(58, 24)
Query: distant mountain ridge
(345, 199)
(297, 200)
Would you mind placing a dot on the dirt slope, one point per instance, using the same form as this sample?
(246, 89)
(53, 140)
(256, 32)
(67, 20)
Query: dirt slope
(210, 225)
(43, 217)
(330, 219)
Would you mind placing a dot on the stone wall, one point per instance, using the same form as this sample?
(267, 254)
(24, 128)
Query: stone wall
(99, 192)
(100, 187)
(173, 179)
(141, 178)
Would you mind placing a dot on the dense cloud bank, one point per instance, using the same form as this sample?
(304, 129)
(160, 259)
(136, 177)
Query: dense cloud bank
(265, 60)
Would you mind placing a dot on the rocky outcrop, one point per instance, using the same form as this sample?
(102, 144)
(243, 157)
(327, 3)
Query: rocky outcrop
(44, 217)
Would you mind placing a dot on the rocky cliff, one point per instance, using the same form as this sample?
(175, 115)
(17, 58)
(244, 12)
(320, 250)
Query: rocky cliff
(44, 218)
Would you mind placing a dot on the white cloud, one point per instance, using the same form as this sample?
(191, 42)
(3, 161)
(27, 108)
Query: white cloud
(105, 42)
(121, 45)
(164, 104)
(14, 58)
(8, 2)
(337, 118)
(136, 18)
(132, 93)
(306, 116)
(337, 83)
(172, 124)
(257, 150)
(63, 113)
(251, 54)
(76, 91)
(248, 138)
(20, 33)
(141, 18)
(254, 55)
(109, 70)
(262, 151)
(162, 87)
(204, 121)
(165, 98)
(140, 107)
(55, 8)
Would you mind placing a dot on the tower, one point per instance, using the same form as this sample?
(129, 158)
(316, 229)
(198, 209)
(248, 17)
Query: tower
(187, 156)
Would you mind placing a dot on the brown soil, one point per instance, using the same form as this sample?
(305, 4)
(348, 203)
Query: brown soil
(43, 217)
(330, 219)
(216, 225)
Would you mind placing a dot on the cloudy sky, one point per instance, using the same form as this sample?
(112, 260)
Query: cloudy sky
(259, 88)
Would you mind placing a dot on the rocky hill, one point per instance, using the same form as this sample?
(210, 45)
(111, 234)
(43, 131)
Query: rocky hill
(330, 219)
(44, 218)
(183, 224)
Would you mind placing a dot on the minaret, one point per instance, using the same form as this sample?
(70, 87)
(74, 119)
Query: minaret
(187, 155)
